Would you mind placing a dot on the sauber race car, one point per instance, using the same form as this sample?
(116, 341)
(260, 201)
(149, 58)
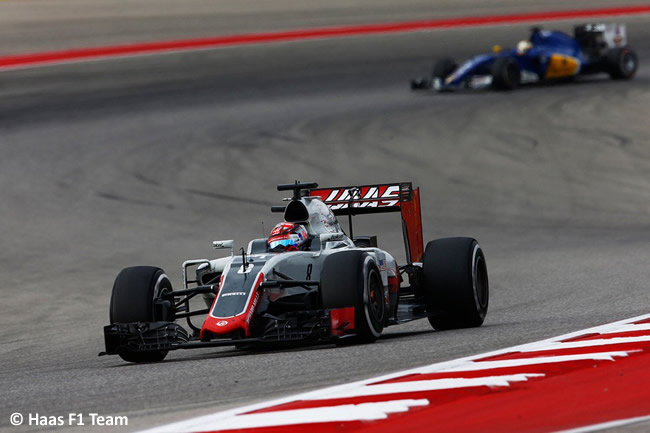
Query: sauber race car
(546, 55)
(308, 282)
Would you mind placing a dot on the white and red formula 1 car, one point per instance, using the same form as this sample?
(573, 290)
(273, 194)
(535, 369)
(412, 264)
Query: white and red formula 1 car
(337, 288)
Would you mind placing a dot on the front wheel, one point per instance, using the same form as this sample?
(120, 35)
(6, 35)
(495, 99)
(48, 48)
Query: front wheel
(352, 279)
(444, 67)
(133, 300)
(506, 74)
(455, 283)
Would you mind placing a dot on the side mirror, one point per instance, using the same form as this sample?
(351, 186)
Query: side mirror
(331, 237)
(223, 245)
(324, 238)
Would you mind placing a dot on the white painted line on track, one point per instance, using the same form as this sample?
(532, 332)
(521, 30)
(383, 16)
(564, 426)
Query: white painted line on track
(628, 328)
(424, 385)
(587, 343)
(489, 365)
(348, 412)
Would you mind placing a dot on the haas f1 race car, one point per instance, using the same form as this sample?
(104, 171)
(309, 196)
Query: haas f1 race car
(545, 56)
(335, 287)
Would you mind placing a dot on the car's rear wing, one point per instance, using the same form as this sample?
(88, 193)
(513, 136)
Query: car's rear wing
(382, 198)
(600, 37)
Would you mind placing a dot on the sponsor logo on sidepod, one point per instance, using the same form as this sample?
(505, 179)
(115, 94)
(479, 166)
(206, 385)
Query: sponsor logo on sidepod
(252, 310)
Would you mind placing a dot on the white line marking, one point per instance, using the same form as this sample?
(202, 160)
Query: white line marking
(587, 343)
(349, 412)
(488, 365)
(604, 425)
(628, 328)
(423, 385)
(186, 426)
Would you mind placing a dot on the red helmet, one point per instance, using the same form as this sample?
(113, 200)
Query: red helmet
(287, 237)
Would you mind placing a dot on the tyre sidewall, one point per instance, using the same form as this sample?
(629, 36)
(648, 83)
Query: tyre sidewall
(616, 63)
(444, 67)
(455, 283)
(481, 301)
(134, 292)
(345, 281)
(132, 300)
(506, 74)
(367, 322)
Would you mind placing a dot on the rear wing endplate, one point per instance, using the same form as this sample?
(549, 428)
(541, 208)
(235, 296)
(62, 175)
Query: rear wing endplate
(382, 198)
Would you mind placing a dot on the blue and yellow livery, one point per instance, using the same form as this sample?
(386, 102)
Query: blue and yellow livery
(545, 55)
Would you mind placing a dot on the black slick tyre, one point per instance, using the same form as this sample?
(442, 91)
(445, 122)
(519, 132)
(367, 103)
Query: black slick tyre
(455, 283)
(444, 67)
(352, 279)
(621, 63)
(134, 292)
(506, 74)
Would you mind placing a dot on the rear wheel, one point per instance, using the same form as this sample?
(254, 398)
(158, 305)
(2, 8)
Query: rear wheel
(506, 74)
(352, 279)
(133, 300)
(455, 283)
(621, 63)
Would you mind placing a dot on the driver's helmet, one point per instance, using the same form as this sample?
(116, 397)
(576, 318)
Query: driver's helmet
(287, 237)
(524, 46)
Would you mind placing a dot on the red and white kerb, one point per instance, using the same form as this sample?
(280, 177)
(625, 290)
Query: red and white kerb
(594, 378)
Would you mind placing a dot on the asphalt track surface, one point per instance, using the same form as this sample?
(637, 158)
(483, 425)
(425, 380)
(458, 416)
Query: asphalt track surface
(37, 25)
(147, 160)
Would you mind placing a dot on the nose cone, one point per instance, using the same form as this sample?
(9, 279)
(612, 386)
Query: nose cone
(228, 327)
(234, 307)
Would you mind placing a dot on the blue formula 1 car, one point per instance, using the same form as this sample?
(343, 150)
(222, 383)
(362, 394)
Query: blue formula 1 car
(546, 55)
